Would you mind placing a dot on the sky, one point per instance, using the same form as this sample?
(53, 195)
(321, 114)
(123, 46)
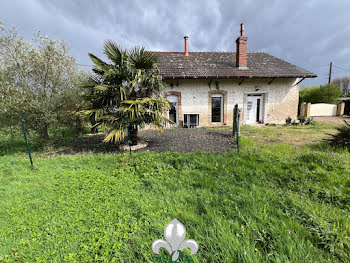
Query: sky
(307, 33)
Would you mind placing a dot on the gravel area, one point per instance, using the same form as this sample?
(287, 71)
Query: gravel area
(333, 119)
(176, 140)
(188, 140)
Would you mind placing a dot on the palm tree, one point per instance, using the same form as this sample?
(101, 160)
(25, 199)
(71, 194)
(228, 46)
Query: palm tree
(125, 92)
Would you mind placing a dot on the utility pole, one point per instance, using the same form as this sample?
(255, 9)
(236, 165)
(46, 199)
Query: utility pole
(330, 73)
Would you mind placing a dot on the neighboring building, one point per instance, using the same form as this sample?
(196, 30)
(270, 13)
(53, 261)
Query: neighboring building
(203, 87)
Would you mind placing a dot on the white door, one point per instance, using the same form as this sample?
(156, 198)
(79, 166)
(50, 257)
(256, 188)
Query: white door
(254, 109)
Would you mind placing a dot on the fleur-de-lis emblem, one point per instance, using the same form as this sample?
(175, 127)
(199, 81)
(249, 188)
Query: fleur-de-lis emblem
(175, 233)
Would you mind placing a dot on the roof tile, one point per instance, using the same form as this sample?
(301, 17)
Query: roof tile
(223, 65)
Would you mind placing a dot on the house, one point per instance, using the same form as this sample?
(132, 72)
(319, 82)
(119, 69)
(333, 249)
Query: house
(203, 87)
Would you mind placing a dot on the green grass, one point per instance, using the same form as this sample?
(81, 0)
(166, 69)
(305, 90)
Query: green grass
(283, 134)
(273, 203)
(295, 135)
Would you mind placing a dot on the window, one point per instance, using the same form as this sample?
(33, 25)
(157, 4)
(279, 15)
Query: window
(191, 120)
(173, 110)
(216, 108)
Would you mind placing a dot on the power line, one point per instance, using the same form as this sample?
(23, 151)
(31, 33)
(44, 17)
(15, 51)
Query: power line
(314, 66)
(342, 68)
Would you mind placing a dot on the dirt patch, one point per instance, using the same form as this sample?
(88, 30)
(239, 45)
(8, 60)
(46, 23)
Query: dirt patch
(176, 140)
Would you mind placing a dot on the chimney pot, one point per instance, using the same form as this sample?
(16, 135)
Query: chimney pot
(242, 29)
(186, 46)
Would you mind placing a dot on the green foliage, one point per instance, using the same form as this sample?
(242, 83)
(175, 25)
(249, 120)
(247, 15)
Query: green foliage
(342, 138)
(321, 94)
(120, 92)
(269, 204)
(37, 81)
(288, 120)
(309, 121)
(302, 119)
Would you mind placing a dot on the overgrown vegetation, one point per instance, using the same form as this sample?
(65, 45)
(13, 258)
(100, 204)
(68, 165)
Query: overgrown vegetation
(275, 203)
(329, 93)
(38, 81)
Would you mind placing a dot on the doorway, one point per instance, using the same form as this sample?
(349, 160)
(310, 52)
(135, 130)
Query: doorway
(173, 110)
(254, 109)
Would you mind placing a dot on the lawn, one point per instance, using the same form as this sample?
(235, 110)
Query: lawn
(271, 203)
(295, 135)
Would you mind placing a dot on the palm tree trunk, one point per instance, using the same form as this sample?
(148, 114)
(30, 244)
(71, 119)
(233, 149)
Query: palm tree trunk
(133, 135)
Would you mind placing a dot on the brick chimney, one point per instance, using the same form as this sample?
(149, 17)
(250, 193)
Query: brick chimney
(186, 46)
(241, 50)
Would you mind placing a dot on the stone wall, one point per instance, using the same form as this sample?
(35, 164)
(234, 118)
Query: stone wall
(280, 98)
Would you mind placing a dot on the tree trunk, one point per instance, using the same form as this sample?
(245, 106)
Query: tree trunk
(44, 133)
(78, 126)
(133, 135)
(94, 129)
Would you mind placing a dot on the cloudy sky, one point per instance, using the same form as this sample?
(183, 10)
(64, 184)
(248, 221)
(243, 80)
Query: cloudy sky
(308, 33)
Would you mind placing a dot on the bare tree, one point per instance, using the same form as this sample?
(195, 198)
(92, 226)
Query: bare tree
(343, 83)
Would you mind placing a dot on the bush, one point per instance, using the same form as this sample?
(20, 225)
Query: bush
(309, 121)
(342, 138)
(37, 81)
(329, 93)
(288, 121)
(302, 120)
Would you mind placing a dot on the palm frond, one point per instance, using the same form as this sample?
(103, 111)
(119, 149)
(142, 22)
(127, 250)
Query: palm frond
(141, 59)
(114, 52)
(99, 64)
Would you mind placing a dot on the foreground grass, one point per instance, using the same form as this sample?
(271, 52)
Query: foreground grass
(275, 203)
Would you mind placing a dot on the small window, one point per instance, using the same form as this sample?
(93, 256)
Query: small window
(216, 108)
(191, 120)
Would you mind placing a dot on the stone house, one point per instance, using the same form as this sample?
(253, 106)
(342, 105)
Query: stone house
(204, 87)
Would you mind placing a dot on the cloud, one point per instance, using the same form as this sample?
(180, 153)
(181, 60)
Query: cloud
(309, 34)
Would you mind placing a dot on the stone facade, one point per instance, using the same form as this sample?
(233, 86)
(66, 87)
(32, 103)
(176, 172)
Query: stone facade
(279, 98)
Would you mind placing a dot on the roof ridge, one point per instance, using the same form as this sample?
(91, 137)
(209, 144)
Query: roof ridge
(230, 52)
(223, 64)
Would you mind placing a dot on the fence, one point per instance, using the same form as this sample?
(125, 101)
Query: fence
(321, 109)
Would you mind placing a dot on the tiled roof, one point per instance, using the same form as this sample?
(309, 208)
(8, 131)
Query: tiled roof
(223, 65)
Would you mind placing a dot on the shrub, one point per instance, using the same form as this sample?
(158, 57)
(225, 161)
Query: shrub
(302, 119)
(342, 138)
(329, 93)
(288, 121)
(309, 121)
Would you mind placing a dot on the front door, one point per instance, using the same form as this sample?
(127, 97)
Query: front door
(254, 109)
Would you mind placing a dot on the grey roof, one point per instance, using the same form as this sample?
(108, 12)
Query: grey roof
(223, 65)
